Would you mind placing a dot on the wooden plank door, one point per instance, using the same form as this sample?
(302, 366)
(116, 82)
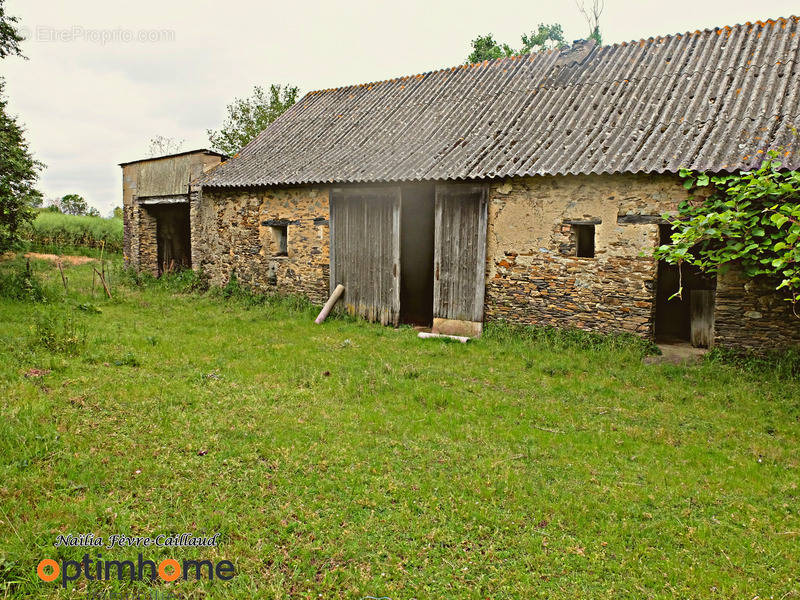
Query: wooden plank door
(701, 318)
(459, 262)
(365, 250)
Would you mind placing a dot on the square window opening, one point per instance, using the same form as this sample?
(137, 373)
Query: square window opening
(279, 237)
(584, 240)
(665, 235)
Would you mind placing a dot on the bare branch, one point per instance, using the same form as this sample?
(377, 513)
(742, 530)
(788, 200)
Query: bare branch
(592, 16)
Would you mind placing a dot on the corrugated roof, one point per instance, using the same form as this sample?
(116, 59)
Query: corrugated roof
(714, 100)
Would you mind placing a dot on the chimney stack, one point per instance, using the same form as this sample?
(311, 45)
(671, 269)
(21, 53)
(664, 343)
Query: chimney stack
(576, 54)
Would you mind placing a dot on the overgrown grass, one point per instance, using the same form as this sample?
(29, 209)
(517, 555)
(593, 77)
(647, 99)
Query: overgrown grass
(784, 364)
(57, 332)
(18, 282)
(353, 460)
(56, 232)
(564, 339)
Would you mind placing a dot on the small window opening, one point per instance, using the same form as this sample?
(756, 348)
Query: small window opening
(584, 240)
(279, 236)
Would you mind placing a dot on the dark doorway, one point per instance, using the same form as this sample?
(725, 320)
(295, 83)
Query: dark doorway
(172, 233)
(416, 254)
(689, 317)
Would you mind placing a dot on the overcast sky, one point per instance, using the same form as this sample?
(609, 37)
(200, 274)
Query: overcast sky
(93, 93)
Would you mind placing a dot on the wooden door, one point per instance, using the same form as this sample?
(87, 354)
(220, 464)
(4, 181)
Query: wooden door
(365, 250)
(701, 318)
(459, 263)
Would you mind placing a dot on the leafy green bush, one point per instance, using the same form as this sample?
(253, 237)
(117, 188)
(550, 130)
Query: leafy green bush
(234, 291)
(752, 219)
(185, 281)
(21, 284)
(58, 230)
(58, 332)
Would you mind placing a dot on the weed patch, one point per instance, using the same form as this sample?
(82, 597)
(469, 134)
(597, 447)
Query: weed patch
(785, 364)
(20, 283)
(561, 339)
(58, 332)
(127, 360)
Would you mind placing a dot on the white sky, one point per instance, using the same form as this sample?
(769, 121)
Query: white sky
(89, 104)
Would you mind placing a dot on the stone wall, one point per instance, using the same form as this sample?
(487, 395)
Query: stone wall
(147, 241)
(130, 217)
(232, 232)
(533, 275)
(750, 314)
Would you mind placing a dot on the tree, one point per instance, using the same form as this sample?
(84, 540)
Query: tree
(73, 204)
(52, 205)
(592, 17)
(18, 174)
(19, 171)
(751, 219)
(546, 37)
(161, 145)
(9, 35)
(117, 212)
(247, 117)
(484, 47)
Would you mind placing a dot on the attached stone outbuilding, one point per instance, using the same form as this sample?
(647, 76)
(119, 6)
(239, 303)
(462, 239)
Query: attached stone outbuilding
(530, 189)
(156, 208)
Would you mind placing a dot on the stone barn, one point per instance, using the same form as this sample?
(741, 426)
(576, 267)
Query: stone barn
(530, 189)
(155, 206)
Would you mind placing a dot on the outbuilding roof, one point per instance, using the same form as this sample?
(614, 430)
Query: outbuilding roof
(184, 153)
(714, 100)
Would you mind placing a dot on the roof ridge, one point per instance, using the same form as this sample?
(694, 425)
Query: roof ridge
(594, 82)
(432, 72)
(531, 55)
(727, 28)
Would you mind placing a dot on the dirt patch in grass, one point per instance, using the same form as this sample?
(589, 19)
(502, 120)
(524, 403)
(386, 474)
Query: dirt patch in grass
(64, 258)
(37, 372)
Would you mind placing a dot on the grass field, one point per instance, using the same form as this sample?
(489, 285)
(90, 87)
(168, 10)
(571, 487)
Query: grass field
(350, 460)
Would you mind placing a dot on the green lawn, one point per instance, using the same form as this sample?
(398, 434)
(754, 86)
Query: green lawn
(350, 460)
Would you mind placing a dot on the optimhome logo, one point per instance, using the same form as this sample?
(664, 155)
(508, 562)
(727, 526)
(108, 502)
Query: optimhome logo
(168, 569)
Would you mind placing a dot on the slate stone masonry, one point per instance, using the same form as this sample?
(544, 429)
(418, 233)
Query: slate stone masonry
(533, 273)
(534, 277)
(231, 233)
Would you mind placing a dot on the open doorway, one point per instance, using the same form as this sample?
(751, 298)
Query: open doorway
(173, 236)
(689, 318)
(416, 254)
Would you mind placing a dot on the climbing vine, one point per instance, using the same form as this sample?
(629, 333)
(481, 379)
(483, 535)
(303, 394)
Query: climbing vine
(751, 219)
